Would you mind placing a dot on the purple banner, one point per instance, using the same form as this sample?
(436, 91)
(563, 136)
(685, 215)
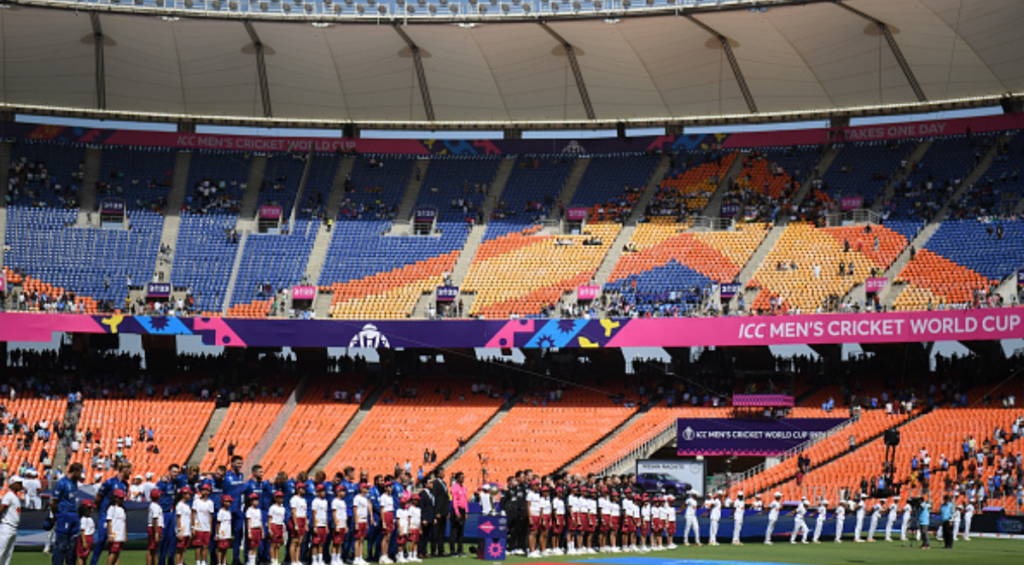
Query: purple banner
(728, 290)
(110, 206)
(576, 214)
(270, 212)
(447, 293)
(1020, 278)
(303, 292)
(850, 203)
(425, 215)
(158, 290)
(730, 210)
(875, 285)
(736, 436)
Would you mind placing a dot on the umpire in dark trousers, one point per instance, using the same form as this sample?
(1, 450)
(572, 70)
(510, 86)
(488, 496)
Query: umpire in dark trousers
(442, 504)
(428, 517)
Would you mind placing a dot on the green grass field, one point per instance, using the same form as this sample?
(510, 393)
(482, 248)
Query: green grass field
(975, 552)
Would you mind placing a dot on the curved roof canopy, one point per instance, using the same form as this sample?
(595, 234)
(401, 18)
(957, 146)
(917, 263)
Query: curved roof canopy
(658, 65)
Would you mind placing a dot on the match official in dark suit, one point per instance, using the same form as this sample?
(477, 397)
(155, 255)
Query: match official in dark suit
(428, 517)
(442, 505)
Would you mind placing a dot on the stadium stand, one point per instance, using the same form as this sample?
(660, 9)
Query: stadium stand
(318, 419)
(530, 192)
(271, 264)
(544, 433)
(612, 184)
(244, 424)
(141, 177)
(810, 268)
(686, 192)
(46, 174)
(178, 422)
(863, 169)
(422, 412)
(32, 413)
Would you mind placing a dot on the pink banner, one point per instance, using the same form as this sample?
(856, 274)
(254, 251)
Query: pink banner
(270, 212)
(928, 128)
(303, 292)
(875, 285)
(576, 214)
(850, 203)
(3, 282)
(253, 143)
(893, 327)
(587, 292)
(762, 400)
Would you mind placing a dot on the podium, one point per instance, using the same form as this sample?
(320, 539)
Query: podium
(492, 534)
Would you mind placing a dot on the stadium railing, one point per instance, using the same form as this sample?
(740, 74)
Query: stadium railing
(762, 467)
(642, 448)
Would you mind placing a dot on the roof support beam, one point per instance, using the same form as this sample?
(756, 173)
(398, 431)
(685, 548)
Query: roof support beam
(261, 70)
(101, 72)
(421, 75)
(576, 72)
(736, 71)
(896, 52)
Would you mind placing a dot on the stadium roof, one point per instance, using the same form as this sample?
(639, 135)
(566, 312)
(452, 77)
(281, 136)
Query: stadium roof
(249, 62)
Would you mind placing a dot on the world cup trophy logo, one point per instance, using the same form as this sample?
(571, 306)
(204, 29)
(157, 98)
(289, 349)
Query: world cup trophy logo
(369, 337)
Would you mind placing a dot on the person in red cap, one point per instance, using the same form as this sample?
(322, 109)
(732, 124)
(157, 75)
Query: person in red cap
(297, 522)
(117, 529)
(253, 527)
(320, 510)
(202, 523)
(339, 515)
(86, 531)
(183, 527)
(225, 534)
(154, 527)
(275, 527)
(363, 521)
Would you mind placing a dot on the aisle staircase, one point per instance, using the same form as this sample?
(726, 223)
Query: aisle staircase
(350, 428)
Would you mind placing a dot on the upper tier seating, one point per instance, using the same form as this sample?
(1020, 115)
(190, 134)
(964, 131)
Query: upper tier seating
(91, 262)
(944, 166)
(683, 193)
(962, 257)
(281, 181)
(178, 422)
(865, 168)
(277, 261)
(806, 246)
(523, 274)
(317, 419)
(542, 438)
(611, 184)
(139, 176)
(204, 257)
(999, 190)
(667, 259)
(530, 191)
(397, 428)
(45, 174)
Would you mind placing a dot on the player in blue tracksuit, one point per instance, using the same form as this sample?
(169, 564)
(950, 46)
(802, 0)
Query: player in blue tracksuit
(65, 512)
(376, 531)
(169, 487)
(396, 495)
(234, 483)
(351, 488)
(104, 497)
(256, 485)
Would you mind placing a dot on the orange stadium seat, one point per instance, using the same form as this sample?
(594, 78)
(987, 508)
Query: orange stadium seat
(933, 280)
(31, 411)
(390, 295)
(244, 425)
(399, 429)
(806, 246)
(177, 424)
(542, 438)
(655, 421)
(522, 279)
(318, 421)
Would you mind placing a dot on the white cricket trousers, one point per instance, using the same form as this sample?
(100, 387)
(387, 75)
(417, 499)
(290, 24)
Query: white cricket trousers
(799, 528)
(691, 523)
(7, 537)
(737, 528)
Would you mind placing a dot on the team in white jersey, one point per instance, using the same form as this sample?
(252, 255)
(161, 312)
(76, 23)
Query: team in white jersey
(800, 523)
(773, 516)
(714, 506)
